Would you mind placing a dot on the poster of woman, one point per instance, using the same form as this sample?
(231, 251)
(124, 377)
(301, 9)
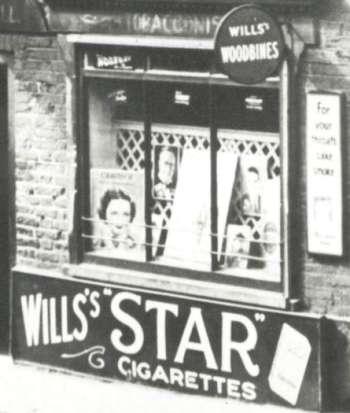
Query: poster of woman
(117, 208)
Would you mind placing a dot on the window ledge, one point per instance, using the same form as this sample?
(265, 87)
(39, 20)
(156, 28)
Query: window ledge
(176, 285)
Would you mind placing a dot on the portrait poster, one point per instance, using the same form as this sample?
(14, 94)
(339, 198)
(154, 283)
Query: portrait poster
(237, 246)
(117, 211)
(166, 160)
(253, 175)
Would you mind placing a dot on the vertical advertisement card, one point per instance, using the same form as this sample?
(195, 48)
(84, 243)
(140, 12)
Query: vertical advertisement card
(324, 174)
(117, 212)
(188, 237)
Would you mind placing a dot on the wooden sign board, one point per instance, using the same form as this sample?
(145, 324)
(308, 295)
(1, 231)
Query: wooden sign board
(324, 174)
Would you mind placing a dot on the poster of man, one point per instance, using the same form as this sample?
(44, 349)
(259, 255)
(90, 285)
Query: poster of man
(117, 206)
(237, 246)
(166, 165)
(253, 175)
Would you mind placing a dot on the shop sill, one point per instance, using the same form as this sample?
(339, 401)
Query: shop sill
(176, 286)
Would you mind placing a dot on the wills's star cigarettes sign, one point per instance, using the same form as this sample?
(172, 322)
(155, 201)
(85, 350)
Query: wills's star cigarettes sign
(170, 341)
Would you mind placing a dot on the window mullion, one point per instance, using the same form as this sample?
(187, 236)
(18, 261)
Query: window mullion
(147, 92)
(213, 181)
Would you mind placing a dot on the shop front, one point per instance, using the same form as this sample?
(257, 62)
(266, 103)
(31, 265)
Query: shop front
(180, 195)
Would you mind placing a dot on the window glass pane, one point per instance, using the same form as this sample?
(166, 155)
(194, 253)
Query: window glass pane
(181, 176)
(180, 104)
(249, 230)
(247, 108)
(114, 225)
(181, 60)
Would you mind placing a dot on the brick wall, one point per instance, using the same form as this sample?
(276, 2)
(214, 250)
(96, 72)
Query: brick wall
(42, 155)
(326, 282)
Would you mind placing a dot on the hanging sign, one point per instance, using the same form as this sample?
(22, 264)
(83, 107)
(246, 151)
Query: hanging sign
(324, 174)
(170, 341)
(249, 45)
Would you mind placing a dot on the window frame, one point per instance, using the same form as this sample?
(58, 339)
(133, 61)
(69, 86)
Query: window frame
(103, 266)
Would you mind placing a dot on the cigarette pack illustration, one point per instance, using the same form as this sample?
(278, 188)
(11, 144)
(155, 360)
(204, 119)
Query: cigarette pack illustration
(289, 364)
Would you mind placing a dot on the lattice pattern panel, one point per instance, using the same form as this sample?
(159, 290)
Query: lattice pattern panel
(269, 148)
(130, 148)
(185, 139)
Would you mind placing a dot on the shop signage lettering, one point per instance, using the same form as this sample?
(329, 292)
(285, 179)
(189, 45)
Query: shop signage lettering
(172, 342)
(249, 45)
(171, 24)
(324, 174)
(115, 62)
(109, 59)
(136, 23)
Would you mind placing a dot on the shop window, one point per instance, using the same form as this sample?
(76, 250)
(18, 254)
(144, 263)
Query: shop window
(183, 175)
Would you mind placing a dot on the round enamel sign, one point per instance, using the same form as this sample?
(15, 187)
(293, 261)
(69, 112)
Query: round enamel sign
(249, 45)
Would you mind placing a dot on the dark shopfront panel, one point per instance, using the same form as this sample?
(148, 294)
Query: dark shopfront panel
(169, 341)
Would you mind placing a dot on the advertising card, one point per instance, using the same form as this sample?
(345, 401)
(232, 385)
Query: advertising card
(117, 212)
(253, 176)
(166, 165)
(237, 246)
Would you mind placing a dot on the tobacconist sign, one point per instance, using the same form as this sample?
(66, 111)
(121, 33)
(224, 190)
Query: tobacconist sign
(169, 341)
(324, 174)
(249, 45)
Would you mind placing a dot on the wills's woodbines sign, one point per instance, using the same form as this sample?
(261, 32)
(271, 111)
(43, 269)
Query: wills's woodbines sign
(169, 341)
(249, 45)
(324, 174)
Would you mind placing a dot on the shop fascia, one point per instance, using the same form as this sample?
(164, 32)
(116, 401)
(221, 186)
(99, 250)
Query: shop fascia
(40, 331)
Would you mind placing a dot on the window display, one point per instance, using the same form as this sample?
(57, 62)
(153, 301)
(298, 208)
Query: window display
(184, 175)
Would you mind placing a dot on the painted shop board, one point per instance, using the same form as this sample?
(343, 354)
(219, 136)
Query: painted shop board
(169, 341)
